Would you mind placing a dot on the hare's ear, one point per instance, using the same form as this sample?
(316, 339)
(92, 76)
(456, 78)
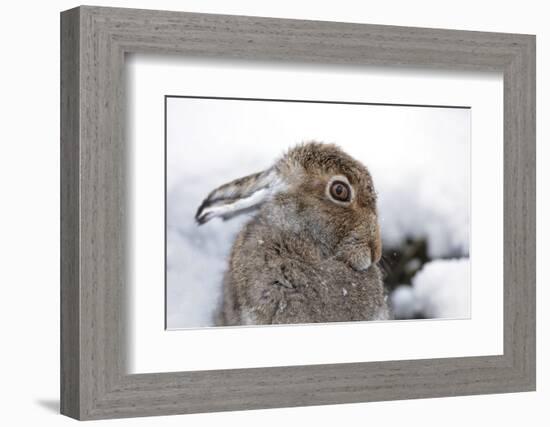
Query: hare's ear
(239, 196)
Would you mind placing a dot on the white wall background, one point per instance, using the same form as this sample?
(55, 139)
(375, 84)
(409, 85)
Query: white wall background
(29, 226)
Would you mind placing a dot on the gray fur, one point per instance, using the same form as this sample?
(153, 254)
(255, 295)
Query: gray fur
(303, 258)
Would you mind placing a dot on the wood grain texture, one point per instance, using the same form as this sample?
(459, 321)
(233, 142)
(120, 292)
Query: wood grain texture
(94, 382)
(70, 221)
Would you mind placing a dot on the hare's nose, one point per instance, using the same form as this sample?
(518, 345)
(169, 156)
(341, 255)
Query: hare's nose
(376, 245)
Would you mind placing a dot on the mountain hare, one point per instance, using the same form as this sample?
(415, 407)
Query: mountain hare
(309, 253)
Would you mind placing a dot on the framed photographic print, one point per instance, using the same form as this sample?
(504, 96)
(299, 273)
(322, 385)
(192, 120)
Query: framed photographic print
(261, 213)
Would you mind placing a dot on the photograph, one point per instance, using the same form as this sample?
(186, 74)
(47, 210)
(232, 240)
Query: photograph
(282, 211)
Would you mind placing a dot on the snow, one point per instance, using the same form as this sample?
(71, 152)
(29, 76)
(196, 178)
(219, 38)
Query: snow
(404, 303)
(196, 260)
(418, 157)
(440, 290)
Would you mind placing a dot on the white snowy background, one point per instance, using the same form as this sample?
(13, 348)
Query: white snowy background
(419, 158)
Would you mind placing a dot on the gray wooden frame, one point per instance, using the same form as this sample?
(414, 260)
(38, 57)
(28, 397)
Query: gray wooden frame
(94, 40)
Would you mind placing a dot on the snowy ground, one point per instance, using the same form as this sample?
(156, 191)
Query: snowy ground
(419, 159)
(439, 290)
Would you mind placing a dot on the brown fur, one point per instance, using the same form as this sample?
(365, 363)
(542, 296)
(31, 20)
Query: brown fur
(302, 257)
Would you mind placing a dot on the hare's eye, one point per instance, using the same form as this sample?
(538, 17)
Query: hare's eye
(340, 191)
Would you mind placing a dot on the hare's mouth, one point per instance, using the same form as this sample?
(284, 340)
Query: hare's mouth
(361, 263)
(357, 255)
(359, 260)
